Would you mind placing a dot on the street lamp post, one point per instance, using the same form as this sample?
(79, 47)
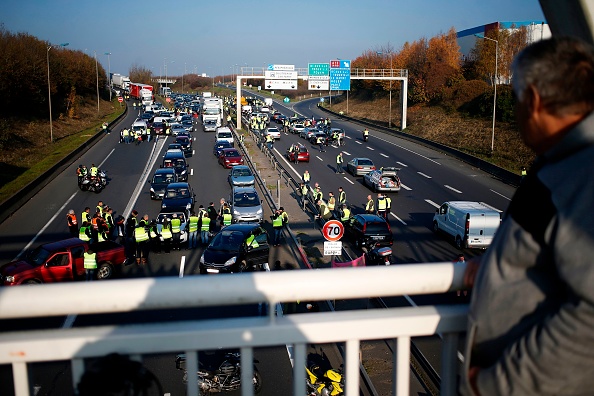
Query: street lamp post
(109, 73)
(495, 88)
(49, 91)
(97, 73)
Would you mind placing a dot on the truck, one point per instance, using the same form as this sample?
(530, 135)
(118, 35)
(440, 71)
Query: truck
(62, 261)
(119, 81)
(164, 91)
(146, 95)
(135, 89)
(212, 109)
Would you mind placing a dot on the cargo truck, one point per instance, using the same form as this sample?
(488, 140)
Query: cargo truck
(135, 89)
(119, 81)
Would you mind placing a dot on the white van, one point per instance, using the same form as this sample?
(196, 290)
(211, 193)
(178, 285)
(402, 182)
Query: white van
(224, 133)
(470, 224)
(139, 126)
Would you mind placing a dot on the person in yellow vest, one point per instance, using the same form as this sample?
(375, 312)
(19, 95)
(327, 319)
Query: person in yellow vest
(277, 225)
(227, 217)
(126, 134)
(99, 208)
(341, 196)
(331, 202)
(370, 206)
(388, 206)
(345, 214)
(324, 211)
(381, 205)
(251, 242)
(306, 177)
(176, 231)
(141, 236)
(167, 235)
(90, 264)
(284, 215)
(204, 225)
(339, 162)
(193, 230)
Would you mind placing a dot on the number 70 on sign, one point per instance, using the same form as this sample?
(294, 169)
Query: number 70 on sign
(333, 230)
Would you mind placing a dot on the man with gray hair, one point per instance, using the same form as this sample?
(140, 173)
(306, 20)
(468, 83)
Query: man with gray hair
(531, 320)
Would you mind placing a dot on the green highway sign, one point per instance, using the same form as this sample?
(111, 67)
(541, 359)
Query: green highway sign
(318, 69)
(286, 99)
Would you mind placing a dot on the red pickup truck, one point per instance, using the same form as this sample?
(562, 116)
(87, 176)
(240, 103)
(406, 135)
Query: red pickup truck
(62, 262)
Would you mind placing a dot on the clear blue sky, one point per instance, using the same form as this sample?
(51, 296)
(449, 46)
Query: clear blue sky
(213, 36)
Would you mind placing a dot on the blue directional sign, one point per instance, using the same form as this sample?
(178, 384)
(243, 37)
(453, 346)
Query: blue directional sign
(340, 75)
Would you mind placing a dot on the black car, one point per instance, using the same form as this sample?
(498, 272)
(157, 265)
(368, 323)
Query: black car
(175, 159)
(219, 146)
(369, 230)
(178, 197)
(236, 248)
(188, 125)
(186, 144)
(161, 179)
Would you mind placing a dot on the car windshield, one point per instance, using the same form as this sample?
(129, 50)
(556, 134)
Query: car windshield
(245, 199)
(376, 228)
(182, 140)
(38, 256)
(227, 241)
(210, 122)
(365, 163)
(162, 179)
(242, 172)
(180, 163)
(231, 153)
(163, 216)
(211, 111)
(177, 193)
(225, 135)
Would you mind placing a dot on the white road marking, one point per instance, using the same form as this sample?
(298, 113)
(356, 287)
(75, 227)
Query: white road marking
(348, 137)
(358, 142)
(397, 218)
(400, 163)
(346, 152)
(430, 202)
(489, 206)
(424, 175)
(349, 180)
(181, 267)
(369, 148)
(404, 148)
(192, 172)
(384, 155)
(193, 152)
(452, 188)
(319, 158)
(405, 187)
(287, 162)
(501, 195)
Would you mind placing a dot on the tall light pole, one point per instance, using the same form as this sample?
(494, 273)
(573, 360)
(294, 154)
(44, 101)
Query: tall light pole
(389, 53)
(495, 87)
(109, 73)
(97, 73)
(49, 90)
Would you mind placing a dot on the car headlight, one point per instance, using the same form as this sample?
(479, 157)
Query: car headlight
(231, 261)
(163, 205)
(188, 206)
(184, 172)
(235, 212)
(202, 259)
(259, 211)
(9, 278)
(152, 190)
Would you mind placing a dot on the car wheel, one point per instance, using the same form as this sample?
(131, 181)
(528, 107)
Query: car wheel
(32, 282)
(435, 227)
(105, 271)
(459, 242)
(202, 270)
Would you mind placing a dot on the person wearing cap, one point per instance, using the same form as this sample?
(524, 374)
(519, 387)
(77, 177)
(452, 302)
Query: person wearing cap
(72, 224)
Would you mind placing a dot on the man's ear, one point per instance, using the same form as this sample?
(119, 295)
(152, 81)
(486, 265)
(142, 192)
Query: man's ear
(533, 100)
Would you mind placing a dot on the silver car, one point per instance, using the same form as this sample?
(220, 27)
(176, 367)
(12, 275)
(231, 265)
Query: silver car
(360, 166)
(246, 205)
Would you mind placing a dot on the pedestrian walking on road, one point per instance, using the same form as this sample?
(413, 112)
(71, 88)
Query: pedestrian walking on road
(72, 224)
(339, 161)
(370, 206)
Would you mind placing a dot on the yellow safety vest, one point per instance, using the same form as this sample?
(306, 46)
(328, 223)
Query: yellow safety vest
(90, 260)
(277, 221)
(82, 234)
(388, 202)
(205, 223)
(346, 214)
(251, 242)
(381, 204)
(331, 203)
(370, 206)
(227, 219)
(342, 197)
(306, 177)
(193, 226)
(166, 233)
(140, 234)
(304, 191)
(175, 226)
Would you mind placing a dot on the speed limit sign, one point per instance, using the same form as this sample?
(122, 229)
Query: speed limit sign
(333, 230)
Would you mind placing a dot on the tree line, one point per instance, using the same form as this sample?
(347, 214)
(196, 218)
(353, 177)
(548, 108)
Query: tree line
(74, 77)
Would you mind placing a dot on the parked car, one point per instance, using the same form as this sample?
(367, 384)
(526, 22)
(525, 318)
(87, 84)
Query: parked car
(246, 205)
(307, 133)
(236, 248)
(230, 157)
(188, 124)
(298, 154)
(224, 133)
(186, 145)
(273, 131)
(158, 128)
(296, 128)
(360, 166)
(219, 146)
(368, 230)
(209, 126)
(313, 139)
(383, 179)
(178, 196)
(176, 129)
(469, 224)
(182, 215)
(241, 175)
(161, 179)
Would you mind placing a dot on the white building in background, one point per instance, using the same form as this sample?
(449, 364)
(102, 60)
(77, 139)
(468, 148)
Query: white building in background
(537, 30)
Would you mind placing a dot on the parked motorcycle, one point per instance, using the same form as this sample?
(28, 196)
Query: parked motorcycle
(92, 184)
(323, 382)
(222, 373)
(378, 255)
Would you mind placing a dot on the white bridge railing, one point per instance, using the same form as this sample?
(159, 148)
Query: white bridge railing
(76, 344)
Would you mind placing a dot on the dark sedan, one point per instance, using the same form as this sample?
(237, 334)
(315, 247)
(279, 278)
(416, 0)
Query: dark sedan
(368, 230)
(186, 145)
(219, 146)
(178, 196)
(161, 179)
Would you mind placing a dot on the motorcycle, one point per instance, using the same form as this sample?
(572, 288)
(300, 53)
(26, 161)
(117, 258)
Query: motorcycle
(92, 184)
(223, 374)
(323, 383)
(377, 255)
(365, 137)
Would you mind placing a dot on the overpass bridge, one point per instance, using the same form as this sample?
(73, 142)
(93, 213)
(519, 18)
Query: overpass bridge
(164, 81)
